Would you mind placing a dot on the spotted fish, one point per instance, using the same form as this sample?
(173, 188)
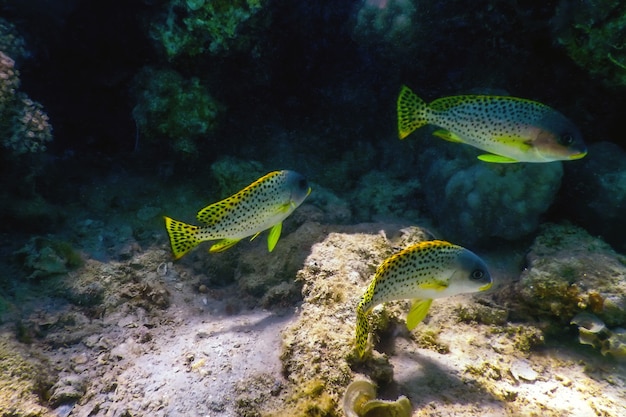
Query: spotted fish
(262, 205)
(422, 272)
(510, 129)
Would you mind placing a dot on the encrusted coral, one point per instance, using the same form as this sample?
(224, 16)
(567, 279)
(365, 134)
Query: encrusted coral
(569, 272)
(473, 201)
(24, 124)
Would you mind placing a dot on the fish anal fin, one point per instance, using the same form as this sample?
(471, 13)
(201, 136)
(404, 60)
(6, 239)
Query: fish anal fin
(222, 245)
(274, 235)
(496, 159)
(418, 311)
(447, 135)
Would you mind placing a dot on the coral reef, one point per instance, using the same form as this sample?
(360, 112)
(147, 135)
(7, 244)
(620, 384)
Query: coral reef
(173, 111)
(25, 379)
(592, 331)
(24, 124)
(473, 201)
(593, 34)
(379, 195)
(43, 257)
(386, 24)
(594, 193)
(568, 272)
(194, 27)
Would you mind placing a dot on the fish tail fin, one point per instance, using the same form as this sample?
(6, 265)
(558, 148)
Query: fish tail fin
(183, 237)
(362, 329)
(411, 112)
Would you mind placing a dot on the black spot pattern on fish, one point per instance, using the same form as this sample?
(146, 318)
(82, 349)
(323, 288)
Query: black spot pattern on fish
(401, 275)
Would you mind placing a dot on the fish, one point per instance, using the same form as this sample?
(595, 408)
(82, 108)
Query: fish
(422, 272)
(510, 129)
(260, 206)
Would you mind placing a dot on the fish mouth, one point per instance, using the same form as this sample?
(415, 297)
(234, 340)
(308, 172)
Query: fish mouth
(485, 287)
(578, 155)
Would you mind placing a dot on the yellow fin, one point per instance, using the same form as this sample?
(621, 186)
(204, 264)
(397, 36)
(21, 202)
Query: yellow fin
(214, 213)
(362, 329)
(411, 112)
(223, 244)
(447, 135)
(496, 159)
(418, 311)
(274, 235)
(254, 237)
(434, 285)
(183, 236)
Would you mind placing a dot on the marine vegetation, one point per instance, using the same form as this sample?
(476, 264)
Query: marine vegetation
(510, 129)
(425, 271)
(262, 205)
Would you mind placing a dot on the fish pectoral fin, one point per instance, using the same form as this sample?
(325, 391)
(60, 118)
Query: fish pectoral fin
(222, 245)
(447, 135)
(255, 236)
(434, 285)
(497, 159)
(418, 311)
(274, 235)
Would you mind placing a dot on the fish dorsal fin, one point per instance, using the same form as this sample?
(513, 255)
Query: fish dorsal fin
(222, 245)
(214, 213)
(496, 159)
(447, 135)
(274, 235)
(418, 311)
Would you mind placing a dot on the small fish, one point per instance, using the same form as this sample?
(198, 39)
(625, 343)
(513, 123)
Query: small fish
(511, 129)
(262, 205)
(422, 272)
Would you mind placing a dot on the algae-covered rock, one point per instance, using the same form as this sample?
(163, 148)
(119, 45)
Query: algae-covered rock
(44, 257)
(25, 380)
(570, 271)
(320, 345)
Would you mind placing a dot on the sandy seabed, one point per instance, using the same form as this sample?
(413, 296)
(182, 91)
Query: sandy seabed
(163, 341)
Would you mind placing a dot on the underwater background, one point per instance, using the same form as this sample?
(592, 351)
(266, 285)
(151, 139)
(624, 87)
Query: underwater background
(116, 113)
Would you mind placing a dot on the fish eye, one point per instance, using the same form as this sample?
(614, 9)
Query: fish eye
(303, 184)
(477, 274)
(566, 139)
